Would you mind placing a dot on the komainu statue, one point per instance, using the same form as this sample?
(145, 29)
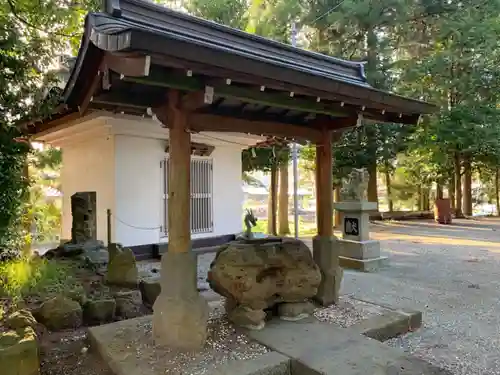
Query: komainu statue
(355, 187)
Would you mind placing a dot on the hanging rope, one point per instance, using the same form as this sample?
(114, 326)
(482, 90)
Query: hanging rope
(134, 226)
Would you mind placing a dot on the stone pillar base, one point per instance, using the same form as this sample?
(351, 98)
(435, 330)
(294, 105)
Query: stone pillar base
(361, 255)
(365, 265)
(326, 255)
(180, 314)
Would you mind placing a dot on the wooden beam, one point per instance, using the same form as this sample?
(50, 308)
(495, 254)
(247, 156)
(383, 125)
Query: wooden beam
(198, 149)
(324, 185)
(131, 65)
(280, 100)
(200, 122)
(193, 100)
(234, 75)
(179, 231)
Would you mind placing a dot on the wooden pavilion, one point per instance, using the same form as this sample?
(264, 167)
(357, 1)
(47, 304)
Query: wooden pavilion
(194, 75)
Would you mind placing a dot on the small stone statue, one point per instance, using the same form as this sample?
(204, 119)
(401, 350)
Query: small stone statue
(356, 186)
(250, 222)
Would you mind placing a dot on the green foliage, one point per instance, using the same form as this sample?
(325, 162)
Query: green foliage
(23, 277)
(13, 188)
(32, 36)
(263, 159)
(227, 12)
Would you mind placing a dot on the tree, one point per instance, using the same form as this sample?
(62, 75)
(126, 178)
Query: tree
(32, 35)
(450, 59)
(267, 159)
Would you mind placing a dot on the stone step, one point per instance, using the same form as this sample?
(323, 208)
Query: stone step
(271, 363)
(320, 348)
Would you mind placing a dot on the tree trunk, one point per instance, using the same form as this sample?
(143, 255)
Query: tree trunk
(458, 186)
(336, 199)
(451, 192)
(419, 199)
(467, 206)
(439, 191)
(497, 193)
(284, 227)
(372, 184)
(28, 219)
(273, 202)
(390, 202)
(425, 199)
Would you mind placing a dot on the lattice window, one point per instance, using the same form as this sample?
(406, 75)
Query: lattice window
(201, 195)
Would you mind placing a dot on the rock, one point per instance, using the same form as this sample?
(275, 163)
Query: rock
(93, 251)
(247, 318)
(260, 273)
(77, 294)
(150, 290)
(20, 319)
(122, 269)
(19, 352)
(294, 311)
(95, 255)
(128, 304)
(59, 313)
(100, 311)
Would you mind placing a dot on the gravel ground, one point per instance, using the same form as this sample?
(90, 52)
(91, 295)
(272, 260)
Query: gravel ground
(452, 274)
(67, 353)
(347, 312)
(131, 342)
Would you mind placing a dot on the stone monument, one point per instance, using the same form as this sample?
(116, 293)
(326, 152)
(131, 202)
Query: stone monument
(83, 241)
(357, 250)
(261, 276)
(84, 218)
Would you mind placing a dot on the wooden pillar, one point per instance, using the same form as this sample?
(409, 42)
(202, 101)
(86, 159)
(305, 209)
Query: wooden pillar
(325, 246)
(324, 186)
(180, 314)
(179, 231)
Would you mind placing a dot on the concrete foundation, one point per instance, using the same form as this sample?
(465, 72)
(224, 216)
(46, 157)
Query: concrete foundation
(308, 347)
(364, 265)
(361, 255)
(359, 249)
(180, 313)
(319, 348)
(326, 252)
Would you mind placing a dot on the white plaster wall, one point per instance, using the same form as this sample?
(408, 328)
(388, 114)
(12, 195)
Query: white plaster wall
(139, 190)
(88, 165)
(119, 156)
(228, 192)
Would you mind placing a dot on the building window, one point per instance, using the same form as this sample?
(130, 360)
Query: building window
(201, 195)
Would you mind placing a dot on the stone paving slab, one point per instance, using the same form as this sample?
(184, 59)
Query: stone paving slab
(390, 324)
(320, 348)
(128, 349)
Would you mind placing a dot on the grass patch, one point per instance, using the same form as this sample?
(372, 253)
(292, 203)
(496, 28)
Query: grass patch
(24, 277)
(305, 229)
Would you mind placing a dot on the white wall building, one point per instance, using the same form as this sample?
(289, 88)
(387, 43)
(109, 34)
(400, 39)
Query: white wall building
(124, 160)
